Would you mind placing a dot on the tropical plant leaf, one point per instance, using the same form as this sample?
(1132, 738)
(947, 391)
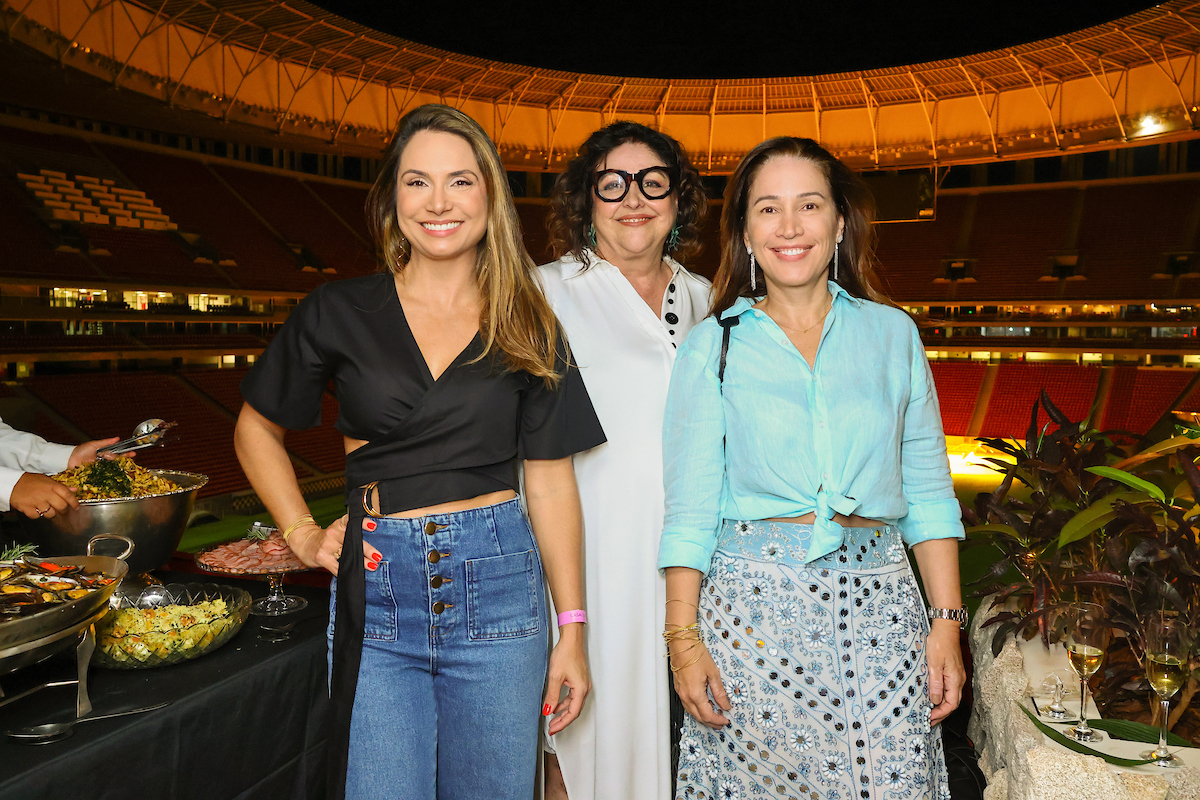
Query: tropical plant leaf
(1085, 424)
(1170, 593)
(1099, 579)
(1003, 446)
(1071, 744)
(1007, 530)
(1095, 517)
(1000, 635)
(1148, 552)
(1004, 487)
(1052, 411)
(1005, 514)
(1132, 731)
(1032, 436)
(1003, 616)
(1133, 481)
(1188, 431)
(1181, 563)
(984, 591)
(1155, 451)
(1009, 591)
(1187, 463)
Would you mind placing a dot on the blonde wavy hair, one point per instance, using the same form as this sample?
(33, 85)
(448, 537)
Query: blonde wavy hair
(516, 322)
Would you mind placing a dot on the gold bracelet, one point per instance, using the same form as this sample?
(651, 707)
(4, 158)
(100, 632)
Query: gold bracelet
(688, 650)
(685, 602)
(699, 656)
(681, 632)
(290, 529)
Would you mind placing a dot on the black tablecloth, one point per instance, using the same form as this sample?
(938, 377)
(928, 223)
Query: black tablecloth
(246, 722)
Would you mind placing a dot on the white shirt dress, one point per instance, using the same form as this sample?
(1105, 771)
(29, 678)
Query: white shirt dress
(620, 745)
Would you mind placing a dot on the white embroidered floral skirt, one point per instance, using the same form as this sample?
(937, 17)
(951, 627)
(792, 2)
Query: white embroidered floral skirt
(824, 664)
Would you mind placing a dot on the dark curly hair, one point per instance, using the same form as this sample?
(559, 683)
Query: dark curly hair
(572, 199)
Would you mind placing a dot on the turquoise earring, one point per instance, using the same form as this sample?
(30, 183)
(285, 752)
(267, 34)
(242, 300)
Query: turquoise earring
(673, 240)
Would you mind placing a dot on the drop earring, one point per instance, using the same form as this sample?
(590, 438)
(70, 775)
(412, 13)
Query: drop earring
(753, 269)
(591, 237)
(673, 239)
(835, 256)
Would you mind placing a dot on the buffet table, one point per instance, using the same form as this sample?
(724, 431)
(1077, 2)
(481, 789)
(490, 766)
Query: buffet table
(246, 721)
(1022, 764)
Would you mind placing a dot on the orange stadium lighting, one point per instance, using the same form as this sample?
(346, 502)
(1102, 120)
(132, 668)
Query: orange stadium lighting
(1150, 125)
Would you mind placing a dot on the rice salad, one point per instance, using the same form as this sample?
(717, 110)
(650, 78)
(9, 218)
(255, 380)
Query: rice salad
(163, 633)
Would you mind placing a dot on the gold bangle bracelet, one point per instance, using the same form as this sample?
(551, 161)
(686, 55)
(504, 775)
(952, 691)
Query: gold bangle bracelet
(290, 529)
(681, 632)
(688, 664)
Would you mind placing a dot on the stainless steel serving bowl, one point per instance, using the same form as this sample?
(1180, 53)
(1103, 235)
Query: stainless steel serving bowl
(155, 524)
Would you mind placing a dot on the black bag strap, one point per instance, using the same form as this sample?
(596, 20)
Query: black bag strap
(727, 326)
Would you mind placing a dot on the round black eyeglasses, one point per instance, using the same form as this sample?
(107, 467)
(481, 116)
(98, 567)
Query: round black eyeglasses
(613, 184)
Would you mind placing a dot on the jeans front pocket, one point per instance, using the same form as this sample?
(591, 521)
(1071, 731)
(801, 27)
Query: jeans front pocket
(503, 593)
(379, 621)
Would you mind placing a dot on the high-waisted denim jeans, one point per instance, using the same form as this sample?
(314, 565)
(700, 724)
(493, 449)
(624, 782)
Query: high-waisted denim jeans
(453, 661)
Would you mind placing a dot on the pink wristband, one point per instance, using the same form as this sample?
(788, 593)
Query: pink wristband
(567, 617)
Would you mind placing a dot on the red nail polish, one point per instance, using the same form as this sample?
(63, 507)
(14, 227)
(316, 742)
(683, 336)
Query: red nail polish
(546, 709)
(377, 557)
(374, 565)
(370, 525)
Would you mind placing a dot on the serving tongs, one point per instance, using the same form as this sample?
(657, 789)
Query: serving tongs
(147, 434)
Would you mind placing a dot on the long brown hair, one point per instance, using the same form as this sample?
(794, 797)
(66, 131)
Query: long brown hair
(851, 198)
(516, 321)
(572, 201)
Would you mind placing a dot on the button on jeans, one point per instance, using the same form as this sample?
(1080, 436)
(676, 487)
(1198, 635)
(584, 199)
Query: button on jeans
(453, 661)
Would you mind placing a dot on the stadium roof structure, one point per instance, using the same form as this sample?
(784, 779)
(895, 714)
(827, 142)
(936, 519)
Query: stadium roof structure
(289, 66)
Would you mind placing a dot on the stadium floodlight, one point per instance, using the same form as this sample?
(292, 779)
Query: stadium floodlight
(1150, 125)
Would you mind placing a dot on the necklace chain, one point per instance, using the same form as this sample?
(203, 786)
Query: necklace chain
(801, 331)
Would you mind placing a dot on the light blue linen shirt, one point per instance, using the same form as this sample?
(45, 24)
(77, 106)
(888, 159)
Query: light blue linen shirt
(859, 433)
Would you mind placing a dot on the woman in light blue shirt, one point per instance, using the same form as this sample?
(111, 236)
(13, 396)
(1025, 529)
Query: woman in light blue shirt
(803, 449)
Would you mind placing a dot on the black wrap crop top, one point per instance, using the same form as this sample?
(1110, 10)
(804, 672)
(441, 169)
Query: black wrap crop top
(432, 441)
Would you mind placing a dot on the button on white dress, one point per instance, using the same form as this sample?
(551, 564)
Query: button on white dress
(619, 748)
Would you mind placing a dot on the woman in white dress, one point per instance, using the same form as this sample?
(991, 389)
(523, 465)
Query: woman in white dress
(625, 210)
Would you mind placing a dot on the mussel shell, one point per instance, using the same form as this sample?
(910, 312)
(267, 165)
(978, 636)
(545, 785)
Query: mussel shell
(11, 570)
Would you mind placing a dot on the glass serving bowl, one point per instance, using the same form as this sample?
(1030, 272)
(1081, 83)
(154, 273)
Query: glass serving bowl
(169, 624)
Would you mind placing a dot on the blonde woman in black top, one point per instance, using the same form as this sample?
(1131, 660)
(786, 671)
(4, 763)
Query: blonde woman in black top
(449, 370)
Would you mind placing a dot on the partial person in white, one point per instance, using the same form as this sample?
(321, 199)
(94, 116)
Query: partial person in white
(623, 216)
(26, 463)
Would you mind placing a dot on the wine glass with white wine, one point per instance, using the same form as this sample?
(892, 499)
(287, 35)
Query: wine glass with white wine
(1166, 669)
(1087, 638)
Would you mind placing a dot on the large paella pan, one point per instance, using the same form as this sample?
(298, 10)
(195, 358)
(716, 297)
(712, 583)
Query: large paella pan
(81, 586)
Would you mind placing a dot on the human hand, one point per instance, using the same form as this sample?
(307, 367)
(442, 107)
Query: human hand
(37, 495)
(322, 547)
(696, 674)
(568, 667)
(943, 654)
(86, 453)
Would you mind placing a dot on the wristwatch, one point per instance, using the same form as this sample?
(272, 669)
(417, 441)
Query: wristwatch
(959, 615)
